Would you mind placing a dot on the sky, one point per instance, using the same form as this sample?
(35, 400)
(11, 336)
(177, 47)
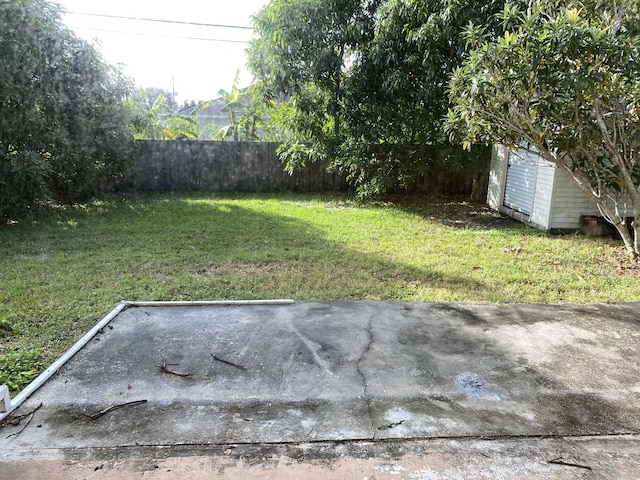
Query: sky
(166, 55)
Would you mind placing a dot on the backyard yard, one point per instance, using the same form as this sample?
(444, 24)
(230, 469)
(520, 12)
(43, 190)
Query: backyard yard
(63, 270)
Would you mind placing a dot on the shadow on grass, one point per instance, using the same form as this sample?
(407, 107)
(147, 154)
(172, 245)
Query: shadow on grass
(169, 247)
(269, 255)
(455, 212)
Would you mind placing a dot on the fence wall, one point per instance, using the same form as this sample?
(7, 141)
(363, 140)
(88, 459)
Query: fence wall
(223, 167)
(255, 167)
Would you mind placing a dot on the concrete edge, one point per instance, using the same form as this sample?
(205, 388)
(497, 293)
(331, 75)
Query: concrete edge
(208, 303)
(55, 366)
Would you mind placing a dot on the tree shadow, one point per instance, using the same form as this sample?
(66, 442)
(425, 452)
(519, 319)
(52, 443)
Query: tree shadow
(469, 379)
(262, 245)
(179, 247)
(203, 246)
(455, 212)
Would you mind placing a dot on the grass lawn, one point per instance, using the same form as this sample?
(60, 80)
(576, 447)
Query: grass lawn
(63, 270)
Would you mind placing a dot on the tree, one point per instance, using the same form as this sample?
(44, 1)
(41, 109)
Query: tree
(64, 130)
(407, 65)
(190, 104)
(252, 115)
(149, 114)
(93, 147)
(397, 90)
(563, 82)
(366, 82)
(302, 50)
(236, 103)
(168, 98)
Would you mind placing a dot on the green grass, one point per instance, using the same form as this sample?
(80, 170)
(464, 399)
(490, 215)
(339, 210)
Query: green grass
(61, 271)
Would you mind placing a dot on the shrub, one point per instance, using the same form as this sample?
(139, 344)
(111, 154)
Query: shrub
(23, 181)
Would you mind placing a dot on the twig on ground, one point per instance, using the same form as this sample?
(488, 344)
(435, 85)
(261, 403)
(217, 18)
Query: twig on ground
(559, 461)
(164, 368)
(241, 367)
(391, 425)
(16, 421)
(115, 407)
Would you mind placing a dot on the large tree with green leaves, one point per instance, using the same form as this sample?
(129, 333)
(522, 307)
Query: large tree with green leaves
(564, 82)
(367, 81)
(64, 130)
(397, 89)
(398, 85)
(302, 50)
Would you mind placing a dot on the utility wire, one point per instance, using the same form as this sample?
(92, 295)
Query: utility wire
(159, 35)
(159, 20)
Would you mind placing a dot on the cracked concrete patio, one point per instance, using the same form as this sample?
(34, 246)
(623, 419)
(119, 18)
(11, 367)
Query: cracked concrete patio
(362, 389)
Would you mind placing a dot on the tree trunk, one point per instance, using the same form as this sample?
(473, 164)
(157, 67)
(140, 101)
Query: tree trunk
(630, 243)
(635, 225)
(478, 187)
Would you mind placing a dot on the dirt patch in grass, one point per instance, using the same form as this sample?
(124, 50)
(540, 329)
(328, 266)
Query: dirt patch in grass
(453, 212)
(238, 268)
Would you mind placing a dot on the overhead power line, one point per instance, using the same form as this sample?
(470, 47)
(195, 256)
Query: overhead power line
(122, 17)
(224, 40)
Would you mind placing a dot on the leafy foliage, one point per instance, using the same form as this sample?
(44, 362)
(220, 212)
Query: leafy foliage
(23, 178)
(302, 51)
(153, 117)
(577, 105)
(17, 369)
(242, 116)
(60, 101)
(366, 81)
(398, 86)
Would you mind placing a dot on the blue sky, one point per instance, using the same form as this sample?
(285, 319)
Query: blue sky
(157, 54)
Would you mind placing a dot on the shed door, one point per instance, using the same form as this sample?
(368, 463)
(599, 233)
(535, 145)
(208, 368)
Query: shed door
(518, 188)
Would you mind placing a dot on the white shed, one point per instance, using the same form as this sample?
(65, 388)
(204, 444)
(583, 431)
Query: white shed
(536, 192)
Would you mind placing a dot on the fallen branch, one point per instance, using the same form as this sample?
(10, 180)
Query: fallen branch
(559, 461)
(241, 367)
(391, 425)
(115, 407)
(164, 368)
(16, 421)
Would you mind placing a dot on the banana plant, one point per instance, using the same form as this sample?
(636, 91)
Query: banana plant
(153, 122)
(236, 103)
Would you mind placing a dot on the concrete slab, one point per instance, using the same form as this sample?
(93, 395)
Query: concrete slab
(333, 381)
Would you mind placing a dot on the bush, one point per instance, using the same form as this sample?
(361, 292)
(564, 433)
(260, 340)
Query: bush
(23, 178)
(65, 130)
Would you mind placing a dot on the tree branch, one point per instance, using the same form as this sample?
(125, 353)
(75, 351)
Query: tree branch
(624, 172)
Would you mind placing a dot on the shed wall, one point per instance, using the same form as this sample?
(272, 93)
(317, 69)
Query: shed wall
(543, 196)
(497, 176)
(557, 203)
(569, 204)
